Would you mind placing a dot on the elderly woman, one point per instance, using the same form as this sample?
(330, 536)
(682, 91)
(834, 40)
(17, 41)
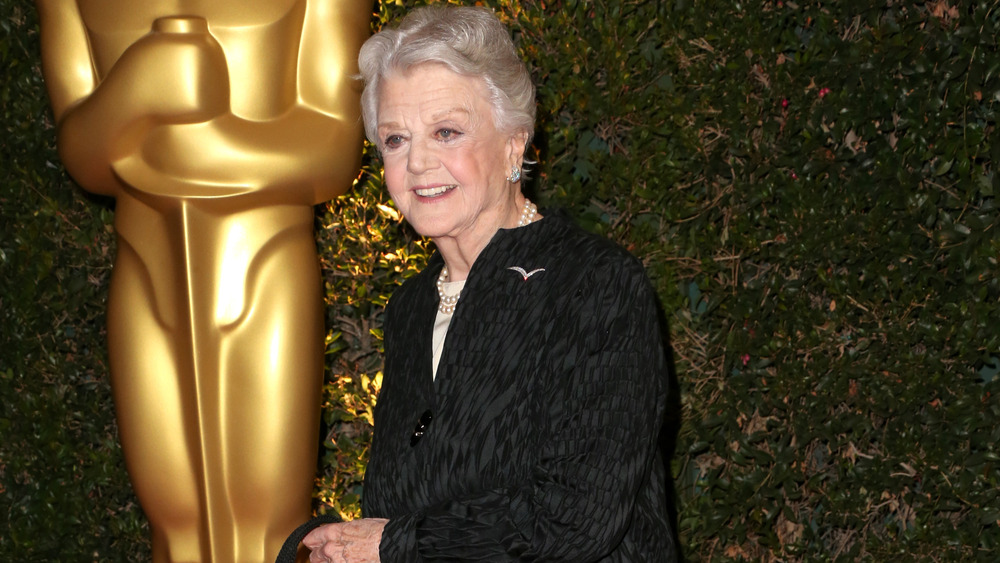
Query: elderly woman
(525, 378)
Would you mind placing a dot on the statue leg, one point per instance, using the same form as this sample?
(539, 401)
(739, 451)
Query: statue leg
(272, 381)
(154, 399)
(219, 416)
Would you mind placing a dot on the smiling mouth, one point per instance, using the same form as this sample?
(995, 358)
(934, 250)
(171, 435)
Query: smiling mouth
(435, 191)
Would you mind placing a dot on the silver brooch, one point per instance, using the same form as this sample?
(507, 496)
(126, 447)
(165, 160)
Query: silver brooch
(524, 274)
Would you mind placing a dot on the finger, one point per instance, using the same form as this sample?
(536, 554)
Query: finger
(318, 536)
(331, 551)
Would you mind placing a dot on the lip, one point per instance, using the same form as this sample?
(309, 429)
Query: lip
(432, 191)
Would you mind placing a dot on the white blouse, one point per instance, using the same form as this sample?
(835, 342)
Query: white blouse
(441, 322)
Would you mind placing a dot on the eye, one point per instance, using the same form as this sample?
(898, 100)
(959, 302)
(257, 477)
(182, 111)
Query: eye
(446, 134)
(393, 141)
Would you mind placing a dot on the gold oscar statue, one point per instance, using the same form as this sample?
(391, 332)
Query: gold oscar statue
(216, 125)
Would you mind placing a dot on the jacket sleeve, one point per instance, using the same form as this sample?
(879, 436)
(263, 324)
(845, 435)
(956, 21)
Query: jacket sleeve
(606, 395)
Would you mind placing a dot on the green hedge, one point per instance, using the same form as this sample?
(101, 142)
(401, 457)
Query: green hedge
(64, 494)
(811, 185)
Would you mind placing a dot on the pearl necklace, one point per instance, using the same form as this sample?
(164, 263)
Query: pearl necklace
(527, 213)
(447, 303)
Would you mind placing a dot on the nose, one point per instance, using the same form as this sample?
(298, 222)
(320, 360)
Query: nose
(420, 157)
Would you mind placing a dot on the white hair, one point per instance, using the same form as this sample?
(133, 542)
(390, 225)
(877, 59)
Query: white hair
(469, 41)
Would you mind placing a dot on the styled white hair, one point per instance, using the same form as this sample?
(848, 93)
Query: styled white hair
(469, 41)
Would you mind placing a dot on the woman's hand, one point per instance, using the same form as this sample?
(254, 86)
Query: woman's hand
(355, 541)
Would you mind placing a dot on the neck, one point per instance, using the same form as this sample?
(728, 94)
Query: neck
(460, 253)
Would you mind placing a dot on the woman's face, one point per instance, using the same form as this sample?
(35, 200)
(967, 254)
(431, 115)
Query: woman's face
(446, 164)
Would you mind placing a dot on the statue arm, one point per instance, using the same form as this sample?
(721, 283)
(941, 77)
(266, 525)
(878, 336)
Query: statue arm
(328, 60)
(159, 120)
(327, 78)
(67, 64)
(70, 78)
(98, 118)
(308, 154)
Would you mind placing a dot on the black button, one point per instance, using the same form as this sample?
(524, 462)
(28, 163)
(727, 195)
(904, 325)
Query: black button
(422, 424)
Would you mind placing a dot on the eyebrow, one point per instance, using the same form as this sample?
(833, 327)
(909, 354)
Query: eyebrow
(449, 112)
(439, 116)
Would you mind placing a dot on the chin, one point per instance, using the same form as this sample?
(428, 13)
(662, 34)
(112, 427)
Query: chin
(430, 228)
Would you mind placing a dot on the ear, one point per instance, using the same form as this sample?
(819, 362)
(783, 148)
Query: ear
(516, 145)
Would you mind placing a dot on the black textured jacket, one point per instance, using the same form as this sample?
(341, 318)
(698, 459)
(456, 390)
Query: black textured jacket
(540, 431)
